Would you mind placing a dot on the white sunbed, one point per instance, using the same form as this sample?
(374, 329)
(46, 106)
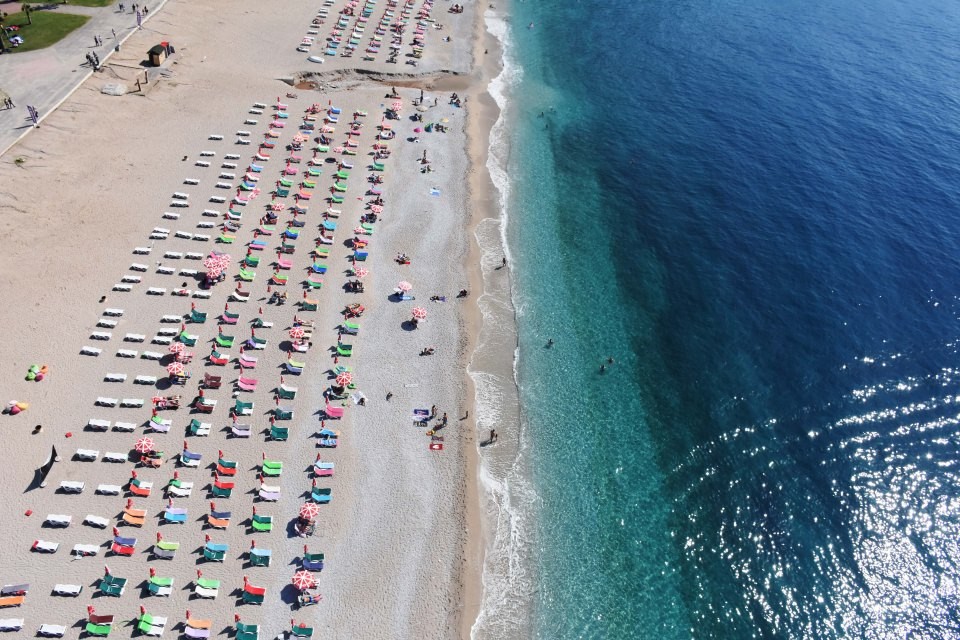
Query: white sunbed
(96, 521)
(211, 213)
(137, 266)
(156, 291)
(109, 489)
(101, 335)
(125, 427)
(142, 251)
(215, 136)
(145, 380)
(158, 236)
(151, 355)
(158, 339)
(190, 255)
(106, 324)
(115, 456)
(158, 626)
(183, 491)
(58, 520)
(126, 353)
(11, 624)
(166, 271)
(218, 199)
(103, 401)
(88, 455)
(231, 165)
(131, 279)
(45, 546)
(90, 351)
(193, 181)
(172, 317)
(186, 235)
(51, 630)
(67, 589)
(98, 425)
(134, 337)
(201, 237)
(207, 154)
(115, 377)
(203, 429)
(169, 331)
(202, 163)
(120, 286)
(71, 486)
(179, 195)
(131, 402)
(113, 312)
(202, 294)
(85, 549)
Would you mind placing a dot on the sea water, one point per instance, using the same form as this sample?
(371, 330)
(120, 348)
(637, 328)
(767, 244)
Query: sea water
(753, 209)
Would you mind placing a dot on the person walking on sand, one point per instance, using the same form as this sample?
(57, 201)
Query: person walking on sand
(389, 395)
(444, 420)
(433, 411)
(493, 436)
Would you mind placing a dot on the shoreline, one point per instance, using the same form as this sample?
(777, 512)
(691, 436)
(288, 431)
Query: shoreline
(480, 120)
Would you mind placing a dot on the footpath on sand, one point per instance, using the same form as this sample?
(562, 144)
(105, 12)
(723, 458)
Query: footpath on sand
(46, 77)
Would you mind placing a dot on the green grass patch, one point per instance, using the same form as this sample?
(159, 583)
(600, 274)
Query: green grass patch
(48, 27)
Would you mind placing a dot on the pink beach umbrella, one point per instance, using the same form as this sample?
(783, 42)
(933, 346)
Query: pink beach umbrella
(361, 272)
(419, 313)
(309, 510)
(304, 580)
(297, 333)
(177, 347)
(404, 286)
(211, 262)
(175, 369)
(376, 208)
(397, 105)
(143, 445)
(343, 379)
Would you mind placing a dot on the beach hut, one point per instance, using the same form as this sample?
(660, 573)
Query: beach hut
(157, 54)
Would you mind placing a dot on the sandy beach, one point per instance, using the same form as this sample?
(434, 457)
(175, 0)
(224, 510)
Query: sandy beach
(401, 534)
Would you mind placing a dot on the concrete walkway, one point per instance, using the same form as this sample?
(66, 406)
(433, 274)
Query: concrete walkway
(46, 77)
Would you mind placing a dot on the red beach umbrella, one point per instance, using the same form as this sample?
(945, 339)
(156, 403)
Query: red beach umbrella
(419, 313)
(309, 510)
(175, 369)
(143, 445)
(343, 379)
(297, 333)
(304, 580)
(176, 347)
(361, 272)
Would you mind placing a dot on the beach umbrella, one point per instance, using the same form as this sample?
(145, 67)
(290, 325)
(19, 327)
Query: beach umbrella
(419, 313)
(224, 260)
(175, 369)
(143, 445)
(403, 285)
(304, 580)
(309, 510)
(376, 208)
(360, 272)
(177, 347)
(343, 379)
(211, 262)
(397, 105)
(297, 333)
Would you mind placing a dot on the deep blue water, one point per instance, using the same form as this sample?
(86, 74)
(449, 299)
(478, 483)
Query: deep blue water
(754, 208)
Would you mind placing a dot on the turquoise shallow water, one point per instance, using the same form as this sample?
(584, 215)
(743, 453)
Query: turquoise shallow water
(753, 209)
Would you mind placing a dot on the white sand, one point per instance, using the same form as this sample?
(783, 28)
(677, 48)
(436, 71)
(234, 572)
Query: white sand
(94, 180)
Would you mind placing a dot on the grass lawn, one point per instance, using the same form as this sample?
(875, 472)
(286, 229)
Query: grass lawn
(82, 3)
(48, 27)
